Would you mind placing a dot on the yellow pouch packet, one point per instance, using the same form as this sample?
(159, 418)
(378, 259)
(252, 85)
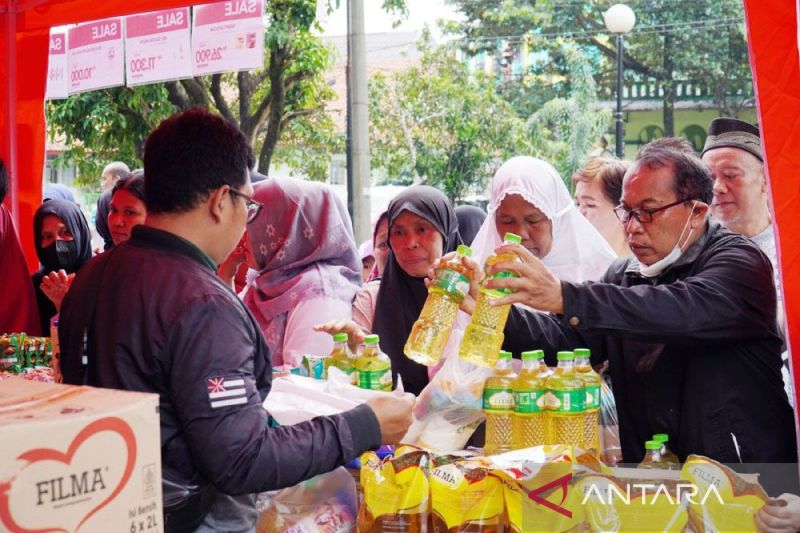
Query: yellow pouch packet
(724, 500)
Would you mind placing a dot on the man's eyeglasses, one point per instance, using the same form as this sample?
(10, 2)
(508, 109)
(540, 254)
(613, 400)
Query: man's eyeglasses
(253, 207)
(642, 215)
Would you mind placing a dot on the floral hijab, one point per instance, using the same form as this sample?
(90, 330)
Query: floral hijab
(303, 243)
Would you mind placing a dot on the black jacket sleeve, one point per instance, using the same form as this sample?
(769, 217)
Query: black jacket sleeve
(231, 444)
(532, 330)
(729, 297)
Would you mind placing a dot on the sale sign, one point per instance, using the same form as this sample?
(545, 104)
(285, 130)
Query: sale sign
(228, 36)
(158, 46)
(96, 56)
(57, 86)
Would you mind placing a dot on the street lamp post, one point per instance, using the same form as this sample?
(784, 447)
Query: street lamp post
(619, 20)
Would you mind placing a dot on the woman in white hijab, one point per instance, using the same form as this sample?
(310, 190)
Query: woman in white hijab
(528, 197)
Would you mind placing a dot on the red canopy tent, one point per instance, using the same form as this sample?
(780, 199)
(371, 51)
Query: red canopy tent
(772, 26)
(24, 43)
(773, 40)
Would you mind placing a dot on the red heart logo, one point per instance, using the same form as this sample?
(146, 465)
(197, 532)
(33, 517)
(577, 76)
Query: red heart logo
(113, 424)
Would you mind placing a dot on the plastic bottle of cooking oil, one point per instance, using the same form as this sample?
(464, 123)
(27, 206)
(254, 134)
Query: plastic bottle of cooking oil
(429, 335)
(530, 412)
(670, 459)
(566, 398)
(483, 337)
(498, 404)
(340, 357)
(652, 456)
(373, 367)
(591, 384)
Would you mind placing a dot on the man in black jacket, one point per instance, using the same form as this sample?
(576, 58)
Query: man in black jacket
(687, 324)
(156, 318)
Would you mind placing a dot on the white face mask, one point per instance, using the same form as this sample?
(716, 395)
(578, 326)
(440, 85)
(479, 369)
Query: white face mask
(651, 271)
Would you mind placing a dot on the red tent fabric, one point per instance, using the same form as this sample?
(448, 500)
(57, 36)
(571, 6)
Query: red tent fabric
(772, 36)
(24, 30)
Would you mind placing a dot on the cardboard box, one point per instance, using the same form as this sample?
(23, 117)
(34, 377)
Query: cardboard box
(78, 459)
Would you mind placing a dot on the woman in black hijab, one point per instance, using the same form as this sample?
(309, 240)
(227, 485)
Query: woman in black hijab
(63, 242)
(470, 219)
(414, 215)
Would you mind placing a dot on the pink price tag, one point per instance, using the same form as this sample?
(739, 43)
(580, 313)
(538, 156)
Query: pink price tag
(95, 32)
(157, 22)
(58, 43)
(225, 11)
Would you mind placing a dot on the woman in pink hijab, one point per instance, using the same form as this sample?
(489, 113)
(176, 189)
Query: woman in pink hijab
(309, 270)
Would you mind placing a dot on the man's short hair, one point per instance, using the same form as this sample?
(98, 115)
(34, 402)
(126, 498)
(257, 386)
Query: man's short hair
(608, 171)
(693, 179)
(3, 181)
(117, 169)
(676, 143)
(189, 155)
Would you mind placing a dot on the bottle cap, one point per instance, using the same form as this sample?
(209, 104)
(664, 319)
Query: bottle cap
(372, 339)
(565, 356)
(533, 354)
(661, 437)
(464, 250)
(504, 355)
(652, 445)
(582, 352)
(512, 237)
(340, 337)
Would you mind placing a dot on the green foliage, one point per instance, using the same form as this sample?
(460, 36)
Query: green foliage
(701, 41)
(307, 143)
(437, 124)
(113, 124)
(563, 130)
(103, 126)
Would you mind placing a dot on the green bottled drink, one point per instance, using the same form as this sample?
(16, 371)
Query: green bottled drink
(340, 357)
(498, 405)
(483, 337)
(670, 459)
(566, 398)
(530, 425)
(428, 337)
(652, 456)
(591, 384)
(373, 367)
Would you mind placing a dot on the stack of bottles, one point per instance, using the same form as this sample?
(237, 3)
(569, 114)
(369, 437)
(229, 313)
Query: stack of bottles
(370, 368)
(542, 406)
(658, 455)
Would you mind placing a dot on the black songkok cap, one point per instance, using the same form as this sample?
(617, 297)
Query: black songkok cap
(734, 133)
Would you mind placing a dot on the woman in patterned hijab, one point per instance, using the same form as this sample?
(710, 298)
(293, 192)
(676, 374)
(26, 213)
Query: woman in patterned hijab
(309, 271)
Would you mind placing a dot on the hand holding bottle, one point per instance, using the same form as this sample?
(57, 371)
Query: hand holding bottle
(535, 285)
(468, 303)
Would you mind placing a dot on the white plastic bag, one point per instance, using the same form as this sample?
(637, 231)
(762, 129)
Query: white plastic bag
(294, 399)
(449, 408)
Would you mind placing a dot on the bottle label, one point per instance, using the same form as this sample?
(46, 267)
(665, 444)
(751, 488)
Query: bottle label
(527, 402)
(497, 293)
(452, 282)
(498, 400)
(567, 401)
(592, 397)
(375, 379)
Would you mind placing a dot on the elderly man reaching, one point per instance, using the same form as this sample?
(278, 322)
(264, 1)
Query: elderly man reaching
(687, 324)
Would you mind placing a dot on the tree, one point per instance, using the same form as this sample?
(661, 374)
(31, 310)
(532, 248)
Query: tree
(702, 40)
(112, 124)
(563, 130)
(436, 124)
